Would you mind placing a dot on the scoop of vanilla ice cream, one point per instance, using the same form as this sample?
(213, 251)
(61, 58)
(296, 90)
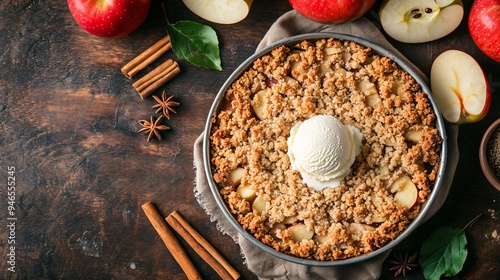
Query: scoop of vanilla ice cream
(322, 149)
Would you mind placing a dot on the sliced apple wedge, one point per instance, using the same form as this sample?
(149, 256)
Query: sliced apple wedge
(405, 191)
(356, 230)
(296, 70)
(259, 105)
(413, 135)
(367, 87)
(259, 205)
(246, 192)
(234, 177)
(376, 219)
(418, 21)
(277, 227)
(290, 80)
(220, 11)
(290, 220)
(460, 87)
(300, 232)
(323, 69)
(322, 239)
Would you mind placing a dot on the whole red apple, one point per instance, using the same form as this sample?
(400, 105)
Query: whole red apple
(109, 18)
(484, 26)
(332, 11)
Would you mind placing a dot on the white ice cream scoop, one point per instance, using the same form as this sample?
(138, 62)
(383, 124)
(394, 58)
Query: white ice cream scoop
(322, 149)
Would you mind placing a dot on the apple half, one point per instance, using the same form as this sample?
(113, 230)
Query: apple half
(419, 21)
(460, 87)
(220, 11)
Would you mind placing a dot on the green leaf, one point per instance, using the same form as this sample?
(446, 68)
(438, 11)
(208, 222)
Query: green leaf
(443, 253)
(196, 43)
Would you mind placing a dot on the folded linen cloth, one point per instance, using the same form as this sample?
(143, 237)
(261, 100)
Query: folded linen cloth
(264, 265)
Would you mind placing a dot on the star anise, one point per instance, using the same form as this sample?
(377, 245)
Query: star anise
(403, 263)
(152, 128)
(165, 104)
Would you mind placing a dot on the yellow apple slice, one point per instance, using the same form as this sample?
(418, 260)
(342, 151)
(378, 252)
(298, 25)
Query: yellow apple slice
(322, 239)
(300, 232)
(368, 88)
(413, 135)
(276, 228)
(377, 219)
(370, 91)
(290, 220)
(460, 87)
(258, 103)
(332, 50)
(259, 205)
(323, 69)
(296, 70)
(405, 192)
(290, 80)
(234, 177)
(220, 11)
(246, 192)
(356, 230)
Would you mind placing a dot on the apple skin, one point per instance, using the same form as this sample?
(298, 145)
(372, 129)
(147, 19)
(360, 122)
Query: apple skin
(109, 18)
(484, 27)
(468, 118)
(332, 11)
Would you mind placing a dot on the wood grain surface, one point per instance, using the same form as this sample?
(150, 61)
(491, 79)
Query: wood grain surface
(69, 122)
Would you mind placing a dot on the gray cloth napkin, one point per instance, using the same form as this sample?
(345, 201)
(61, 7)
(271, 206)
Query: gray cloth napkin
(264, 265)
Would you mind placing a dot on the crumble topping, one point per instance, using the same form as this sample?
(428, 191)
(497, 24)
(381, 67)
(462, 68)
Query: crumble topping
(389, 181)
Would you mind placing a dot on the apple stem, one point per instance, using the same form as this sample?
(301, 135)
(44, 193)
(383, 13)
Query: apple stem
(472, 221)
(164, 12)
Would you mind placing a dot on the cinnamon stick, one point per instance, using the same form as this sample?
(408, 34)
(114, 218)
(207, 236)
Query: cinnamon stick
(156, 78)
(147, 57)
(201, 246)
(170, 241)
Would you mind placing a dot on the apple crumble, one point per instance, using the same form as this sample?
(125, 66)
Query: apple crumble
(389, 181)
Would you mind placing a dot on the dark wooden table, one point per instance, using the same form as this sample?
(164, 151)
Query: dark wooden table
(68, 125)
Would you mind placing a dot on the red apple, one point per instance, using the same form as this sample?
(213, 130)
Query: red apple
(109, 18)
(332, 11)
(484, 26)
(460, 87)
